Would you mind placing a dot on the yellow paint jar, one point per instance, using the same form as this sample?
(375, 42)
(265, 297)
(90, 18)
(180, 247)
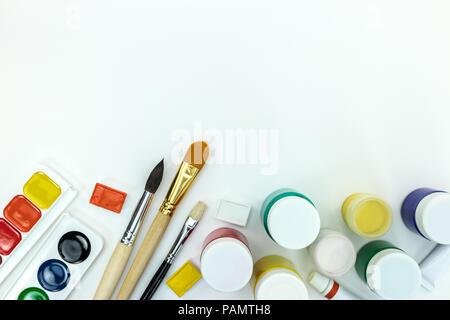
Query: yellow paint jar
(367, 215)
(275, 278)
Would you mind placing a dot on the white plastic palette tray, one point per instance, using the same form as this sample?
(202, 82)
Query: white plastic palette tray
(48, 217)
(49, 250)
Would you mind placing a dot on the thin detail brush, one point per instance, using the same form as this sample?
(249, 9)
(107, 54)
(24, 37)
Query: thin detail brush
(190, 224)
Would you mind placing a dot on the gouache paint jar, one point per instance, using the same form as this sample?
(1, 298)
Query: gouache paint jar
(388, 270)
(275, 278)
(367, 215)
(333, 253)
(290, 219)
(426, 212)
(226, 261)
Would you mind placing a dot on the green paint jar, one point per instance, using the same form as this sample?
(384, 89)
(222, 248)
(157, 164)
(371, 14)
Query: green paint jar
(387, 270)
(290, 219)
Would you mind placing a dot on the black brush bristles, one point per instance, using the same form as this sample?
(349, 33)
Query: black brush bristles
(155, 178)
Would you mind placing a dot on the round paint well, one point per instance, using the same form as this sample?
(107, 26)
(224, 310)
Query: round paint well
(290, 219)
(33, 294)
(226, 264)
(53, 275)
(367, 215)
(74, 247)
(333, 253)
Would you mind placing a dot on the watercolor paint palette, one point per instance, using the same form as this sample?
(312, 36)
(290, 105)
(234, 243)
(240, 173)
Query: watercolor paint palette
(64, 257)
(31, 210)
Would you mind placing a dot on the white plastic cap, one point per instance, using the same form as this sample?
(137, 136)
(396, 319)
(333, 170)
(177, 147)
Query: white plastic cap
(392, 274)
(280, 284)
(293, 222)
(226, 264)
(433, 217)
(319, 282)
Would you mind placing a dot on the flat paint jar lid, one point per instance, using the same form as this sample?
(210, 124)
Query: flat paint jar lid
(433, 217)
(393, 275)
(280, 284)
(334, 255)
(293, 222)
(226, 264)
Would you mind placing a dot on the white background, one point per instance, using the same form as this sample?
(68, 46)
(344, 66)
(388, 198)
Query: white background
(358, 91)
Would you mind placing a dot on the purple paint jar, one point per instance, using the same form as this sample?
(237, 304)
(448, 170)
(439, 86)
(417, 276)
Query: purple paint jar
(426, 212)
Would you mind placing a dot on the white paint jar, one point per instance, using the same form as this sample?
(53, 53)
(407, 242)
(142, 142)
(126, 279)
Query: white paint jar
(388, 270)
(290, 219)
(226, 261)
(275, 278)
(333, 253)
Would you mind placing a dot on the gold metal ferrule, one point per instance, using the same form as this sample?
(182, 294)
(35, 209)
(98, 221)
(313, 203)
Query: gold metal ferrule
(183, 180)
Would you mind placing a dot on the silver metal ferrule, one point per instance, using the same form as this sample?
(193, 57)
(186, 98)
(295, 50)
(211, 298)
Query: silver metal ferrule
(185, 232)
(136, 220)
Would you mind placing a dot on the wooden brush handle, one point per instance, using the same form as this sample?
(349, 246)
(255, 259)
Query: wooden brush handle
(113, 272)
(144, 254)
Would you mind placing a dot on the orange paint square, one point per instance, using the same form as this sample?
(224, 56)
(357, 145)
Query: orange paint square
(22, 213)
(108, 198)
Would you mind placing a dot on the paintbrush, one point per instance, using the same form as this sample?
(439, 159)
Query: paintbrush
(121, 254)
(190, 224)
(192, 164)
